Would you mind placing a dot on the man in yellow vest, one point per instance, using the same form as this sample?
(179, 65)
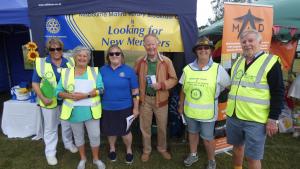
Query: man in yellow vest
(254, 102)
(44, 81)
(202, 81)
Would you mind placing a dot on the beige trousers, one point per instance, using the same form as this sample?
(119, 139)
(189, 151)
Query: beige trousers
(146, 114)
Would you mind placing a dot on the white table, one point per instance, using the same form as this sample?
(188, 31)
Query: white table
(22, 119)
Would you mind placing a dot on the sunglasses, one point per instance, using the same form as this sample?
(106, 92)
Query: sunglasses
(114, 53)
(55, 49)
(203, 47)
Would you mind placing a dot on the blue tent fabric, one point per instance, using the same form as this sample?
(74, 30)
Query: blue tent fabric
(14, 23)
(185, 10)
(14, 12)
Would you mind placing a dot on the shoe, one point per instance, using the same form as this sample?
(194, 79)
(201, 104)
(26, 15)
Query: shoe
(296, 134)
(211, 164)
(81, 164)
(166, 155)
(145, 157)
(112, 156)
(51, 160)
(190, 160)
(99, 164)
(129, 158)
(73, 149)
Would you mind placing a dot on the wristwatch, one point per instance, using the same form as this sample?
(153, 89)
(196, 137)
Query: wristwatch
(89, 95)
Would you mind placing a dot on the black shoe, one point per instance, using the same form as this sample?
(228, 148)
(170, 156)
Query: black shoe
(112, 156)
(129, 158)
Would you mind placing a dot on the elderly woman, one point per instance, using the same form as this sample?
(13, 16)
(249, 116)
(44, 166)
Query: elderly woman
(202, 81)
(79, 87)
(120, 100)
(48, 71)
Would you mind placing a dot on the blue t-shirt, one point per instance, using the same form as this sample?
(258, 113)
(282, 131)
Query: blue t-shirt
(118, 84)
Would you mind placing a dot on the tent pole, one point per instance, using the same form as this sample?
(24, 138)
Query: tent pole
(7, 62)
(30, 35)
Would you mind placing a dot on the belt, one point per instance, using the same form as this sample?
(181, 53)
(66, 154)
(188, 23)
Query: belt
(151, 95)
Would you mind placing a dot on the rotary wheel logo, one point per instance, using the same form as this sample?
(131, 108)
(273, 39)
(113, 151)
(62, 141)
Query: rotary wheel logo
(239, 74)
(70, 88)
(52, 25)
(48, 75)
(196, 94)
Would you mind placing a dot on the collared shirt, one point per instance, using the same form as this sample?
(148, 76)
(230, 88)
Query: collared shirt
(118, 84)
(223, 81)
(151, 71)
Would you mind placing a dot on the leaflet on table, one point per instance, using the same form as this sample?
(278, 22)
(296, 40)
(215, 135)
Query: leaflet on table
(83, 86)
(129, 121)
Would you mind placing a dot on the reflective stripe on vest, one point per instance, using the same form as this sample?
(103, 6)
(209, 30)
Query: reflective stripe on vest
(45, 69)
(200, 89)
(68, 80)
(249, 96)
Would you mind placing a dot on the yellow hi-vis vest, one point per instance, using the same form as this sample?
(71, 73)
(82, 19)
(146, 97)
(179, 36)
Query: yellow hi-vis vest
(68, 83)
(45, 71)
(200, 88)
(249, 96)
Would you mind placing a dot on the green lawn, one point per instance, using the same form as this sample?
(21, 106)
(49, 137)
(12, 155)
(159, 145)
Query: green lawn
(282, 152)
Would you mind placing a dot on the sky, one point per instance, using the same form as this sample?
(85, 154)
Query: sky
(204, 11)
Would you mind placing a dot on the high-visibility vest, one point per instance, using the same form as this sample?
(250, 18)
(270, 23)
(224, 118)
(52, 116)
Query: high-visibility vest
(200, 90)
(68, 83)
(249, 96)
(45, 71)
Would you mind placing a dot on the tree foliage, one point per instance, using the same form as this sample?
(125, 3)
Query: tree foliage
(218, 8)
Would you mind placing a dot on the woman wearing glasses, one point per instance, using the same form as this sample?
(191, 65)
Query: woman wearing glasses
(44, 81)
(120, 100)
(79, 88)
(202, 81)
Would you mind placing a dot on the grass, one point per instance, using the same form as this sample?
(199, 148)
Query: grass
(281, 152)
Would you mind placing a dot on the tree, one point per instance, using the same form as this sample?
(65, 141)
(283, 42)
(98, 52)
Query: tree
(218, 8)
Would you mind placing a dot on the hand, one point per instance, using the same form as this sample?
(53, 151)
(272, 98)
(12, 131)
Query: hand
(180, 109)
(271, 127)
(93, 93)
(156, 86)
(46, 101)
(77, 96)
(135, 112)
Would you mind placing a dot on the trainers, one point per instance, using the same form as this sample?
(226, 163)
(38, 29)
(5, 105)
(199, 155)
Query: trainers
(112, 156)
(211, 164)
(190, 160)
(73, 149)
(166, 155)
(145, 157)
(81, 164)
(51, 160)
(129, 158)
(99, 164)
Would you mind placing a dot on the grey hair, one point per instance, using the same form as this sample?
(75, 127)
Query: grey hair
(151, 35)
(251, 31)
(79, 49)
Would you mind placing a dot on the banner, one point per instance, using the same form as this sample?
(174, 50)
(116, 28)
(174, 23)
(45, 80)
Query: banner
(241, 17)
(100, 30)
(286, 52)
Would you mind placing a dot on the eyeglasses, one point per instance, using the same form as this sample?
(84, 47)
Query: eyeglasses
(114, 53)
(203, 47)
(55, 49)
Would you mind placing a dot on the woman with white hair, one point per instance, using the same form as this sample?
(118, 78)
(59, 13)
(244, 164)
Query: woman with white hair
(79, 88)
